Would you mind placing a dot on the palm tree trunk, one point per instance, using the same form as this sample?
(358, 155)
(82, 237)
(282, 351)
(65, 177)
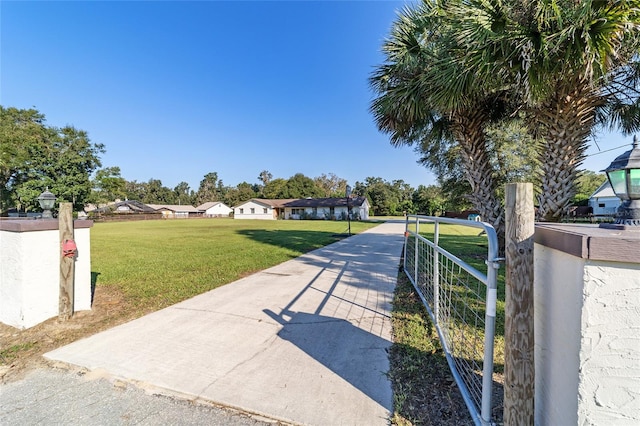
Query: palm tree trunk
(564, 125)
(468, 130)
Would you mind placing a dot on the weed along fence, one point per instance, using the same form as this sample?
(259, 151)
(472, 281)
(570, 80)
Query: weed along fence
(461, 299)
(563, 322)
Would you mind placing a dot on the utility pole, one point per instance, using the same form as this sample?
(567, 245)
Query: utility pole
(349, 208)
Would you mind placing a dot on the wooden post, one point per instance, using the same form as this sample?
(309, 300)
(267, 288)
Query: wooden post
(67, 264)
(518, 328)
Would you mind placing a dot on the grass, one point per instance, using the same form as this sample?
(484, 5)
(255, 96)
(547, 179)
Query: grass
(424, 392)
(12, 352)
(159, 263)
(466, 243)
(419, 372)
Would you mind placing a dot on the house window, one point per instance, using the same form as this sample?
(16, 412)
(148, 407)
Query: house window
(601, 205)
(265, 211)
(241, 211)
(253, 211)
(297, 211)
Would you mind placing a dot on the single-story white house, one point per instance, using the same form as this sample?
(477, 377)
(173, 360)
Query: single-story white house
(604, 200)
(214, 209)
(260, 208)
(304, 208)
(170, 211)
(328, 208)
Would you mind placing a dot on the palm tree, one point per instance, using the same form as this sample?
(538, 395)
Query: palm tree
(421, 101)
(622, 110)
(561, 56)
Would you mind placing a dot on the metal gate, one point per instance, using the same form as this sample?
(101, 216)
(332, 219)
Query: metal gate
(461, 301)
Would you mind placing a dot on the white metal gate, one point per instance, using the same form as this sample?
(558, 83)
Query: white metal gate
(461, 301)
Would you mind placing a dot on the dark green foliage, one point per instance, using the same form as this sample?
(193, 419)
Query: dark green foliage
(209, 189)
(184, 195)
(108, 185)
(587, 184)
(241, 193)
(331, 185)
(34, 157)
(301, 186)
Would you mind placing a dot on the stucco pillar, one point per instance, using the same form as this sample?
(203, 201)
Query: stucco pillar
(587, 327)
(30, 270)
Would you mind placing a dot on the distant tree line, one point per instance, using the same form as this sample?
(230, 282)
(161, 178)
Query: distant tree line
(35, 157)
(386, 198)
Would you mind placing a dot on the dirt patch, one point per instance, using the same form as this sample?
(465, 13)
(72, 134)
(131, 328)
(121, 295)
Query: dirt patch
(22, 350)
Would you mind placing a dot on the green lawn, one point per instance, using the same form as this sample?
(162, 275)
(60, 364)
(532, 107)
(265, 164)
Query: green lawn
(467, 244)
(161, 262)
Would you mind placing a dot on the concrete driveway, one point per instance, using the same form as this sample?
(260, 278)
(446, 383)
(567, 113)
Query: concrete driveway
(304, 342)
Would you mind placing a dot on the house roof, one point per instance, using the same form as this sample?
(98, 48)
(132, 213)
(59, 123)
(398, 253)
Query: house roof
(210, 204)
(603, 191)
(273, 203)
(135, 206)
(327, 202)
(174, 208)
(307, 202)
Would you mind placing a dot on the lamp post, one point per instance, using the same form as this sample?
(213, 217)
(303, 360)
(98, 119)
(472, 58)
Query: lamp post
(46, 200)
(348, 193)
(624, 176)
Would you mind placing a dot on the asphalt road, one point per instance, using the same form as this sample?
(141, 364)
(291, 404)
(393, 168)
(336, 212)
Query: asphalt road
(67, 397)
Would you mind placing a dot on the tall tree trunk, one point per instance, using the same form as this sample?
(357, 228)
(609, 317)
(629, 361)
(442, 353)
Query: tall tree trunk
(564, 125)
(468, 130)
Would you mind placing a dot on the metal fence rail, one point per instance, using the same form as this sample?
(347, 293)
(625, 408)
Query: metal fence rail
(461, 301)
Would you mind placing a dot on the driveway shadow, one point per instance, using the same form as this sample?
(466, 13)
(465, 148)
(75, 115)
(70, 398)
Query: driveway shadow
(355, 355)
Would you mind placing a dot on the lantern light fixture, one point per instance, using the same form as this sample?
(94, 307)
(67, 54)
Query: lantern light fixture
(46, 200)
(624, 176)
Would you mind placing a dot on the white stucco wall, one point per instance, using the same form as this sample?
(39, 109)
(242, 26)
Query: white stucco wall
(363, 212)
(587, 340)
(258, 211)
(609, 386)
(611, 205)
(321, 212)
(218, 210)
(557, 306)
(325, 212)
(30, 275)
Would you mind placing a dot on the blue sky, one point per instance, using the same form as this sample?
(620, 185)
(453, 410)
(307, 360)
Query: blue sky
(176, 90)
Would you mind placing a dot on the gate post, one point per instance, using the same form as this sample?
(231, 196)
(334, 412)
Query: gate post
(416, 255)
(436, 273)
(518, 328)
(67, 263)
